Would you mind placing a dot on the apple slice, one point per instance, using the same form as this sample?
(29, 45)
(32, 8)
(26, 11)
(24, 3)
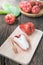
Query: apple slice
(21, 41)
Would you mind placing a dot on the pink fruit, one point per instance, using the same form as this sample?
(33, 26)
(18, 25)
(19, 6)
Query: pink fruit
(38, 3)
(29, 4)
(27, 7)
(35, 9)
(21, 4)
(28, 27)
(9, 19)
(32, 3)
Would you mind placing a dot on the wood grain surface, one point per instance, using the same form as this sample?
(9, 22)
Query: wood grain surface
(6, 30)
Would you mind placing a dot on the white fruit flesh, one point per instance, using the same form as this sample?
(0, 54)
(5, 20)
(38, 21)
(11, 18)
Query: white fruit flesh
(22, 42)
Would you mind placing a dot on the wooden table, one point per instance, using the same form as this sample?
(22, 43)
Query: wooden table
(6, 30)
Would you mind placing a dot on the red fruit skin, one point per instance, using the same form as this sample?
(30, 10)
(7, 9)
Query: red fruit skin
(21, 4)
(32, 3)
(27, 7)
(35, 9)
(18, 36)
(28, 28)
(38, 3)
(22, 26)
(31, 27)
(10, 19)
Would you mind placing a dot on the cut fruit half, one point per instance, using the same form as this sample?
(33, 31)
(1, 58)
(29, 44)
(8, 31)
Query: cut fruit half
(21, 41)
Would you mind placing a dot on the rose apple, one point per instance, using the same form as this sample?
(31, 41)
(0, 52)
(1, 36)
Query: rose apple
(28, 28)
(27, 7)
(38, 3)
(35, 9)
(21, 4)
(9, 19)
(32, 3)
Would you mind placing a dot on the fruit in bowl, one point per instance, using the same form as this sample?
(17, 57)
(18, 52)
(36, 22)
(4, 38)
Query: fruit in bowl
(35, 9)
(32, 7)
(38, 3)
(21, 4)
(32, 3)
(25, 6)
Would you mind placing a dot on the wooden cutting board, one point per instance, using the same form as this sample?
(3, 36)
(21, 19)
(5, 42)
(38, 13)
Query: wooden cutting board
(21, 57)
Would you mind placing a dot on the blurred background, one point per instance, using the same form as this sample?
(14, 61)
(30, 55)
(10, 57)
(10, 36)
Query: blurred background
(11, 2)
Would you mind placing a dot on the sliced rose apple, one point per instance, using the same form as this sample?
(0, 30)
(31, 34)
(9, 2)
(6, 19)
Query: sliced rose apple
(21, 41)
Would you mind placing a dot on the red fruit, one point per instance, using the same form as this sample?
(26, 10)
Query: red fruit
(28, 28)
(22, 26)
(9, 19)
(21, 4)
(27, 7)
(31, 27)
(35, 9)
(32, 3)
(38, 3)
